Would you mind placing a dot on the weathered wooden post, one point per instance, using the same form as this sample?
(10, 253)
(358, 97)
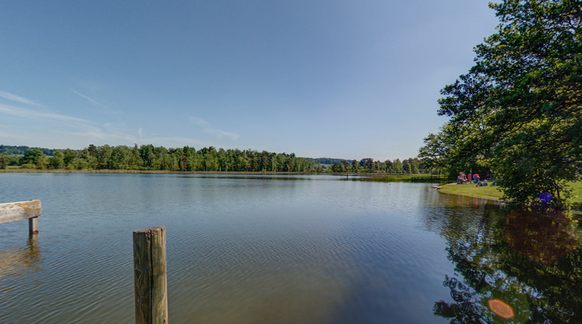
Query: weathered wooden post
(33, 225)
(150, 275)
(16, 211)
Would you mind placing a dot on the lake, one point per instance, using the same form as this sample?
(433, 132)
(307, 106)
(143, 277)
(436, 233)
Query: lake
(284, 249)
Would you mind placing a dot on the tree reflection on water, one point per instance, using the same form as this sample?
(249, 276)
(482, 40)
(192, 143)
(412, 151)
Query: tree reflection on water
(518, 267)
(541, 237)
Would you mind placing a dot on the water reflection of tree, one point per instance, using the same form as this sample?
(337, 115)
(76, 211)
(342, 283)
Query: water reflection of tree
(532, 263)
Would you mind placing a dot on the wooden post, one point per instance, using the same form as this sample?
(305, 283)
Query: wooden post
(33, 225)
(16, 211)
(150, 275)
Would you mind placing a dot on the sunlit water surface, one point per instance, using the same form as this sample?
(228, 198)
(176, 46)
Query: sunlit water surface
(307, 249)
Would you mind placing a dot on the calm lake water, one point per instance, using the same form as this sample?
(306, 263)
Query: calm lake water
(305, 249)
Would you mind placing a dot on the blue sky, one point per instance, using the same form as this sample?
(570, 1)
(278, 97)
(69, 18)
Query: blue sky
(342, 79)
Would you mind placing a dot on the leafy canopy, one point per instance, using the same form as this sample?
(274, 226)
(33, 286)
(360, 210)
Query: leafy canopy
(518, 109)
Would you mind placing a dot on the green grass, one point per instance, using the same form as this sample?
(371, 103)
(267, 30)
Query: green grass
(494, 193)
(577, 194)
(407, 177)
(487, 192)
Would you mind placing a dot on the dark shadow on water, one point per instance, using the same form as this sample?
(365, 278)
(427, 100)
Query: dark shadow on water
(540, 237)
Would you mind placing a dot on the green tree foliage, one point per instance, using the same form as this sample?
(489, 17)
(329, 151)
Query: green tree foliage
(436, 152)
(21, 150)
(56, 161)
(328, 161)
(367, 163)
(149, 157)
(518, 109)
(3, 161)
(34, 159)
(387, 166)
(188, 159)
(397, 167)
(69, 157)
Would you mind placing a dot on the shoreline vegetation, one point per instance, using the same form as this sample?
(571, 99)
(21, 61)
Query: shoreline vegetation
(188, 159)
(468, 190)
(364, 176)
(494, 192)
(515, 114)
(24, 170)
(427, 178)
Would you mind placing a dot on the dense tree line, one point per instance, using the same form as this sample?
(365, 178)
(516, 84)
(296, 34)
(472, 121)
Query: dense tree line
(149, 157)
(518, 111)
(327, 161)
(406, 166)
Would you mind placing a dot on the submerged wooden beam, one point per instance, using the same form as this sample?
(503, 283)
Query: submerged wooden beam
(11, 212)
(150, 275)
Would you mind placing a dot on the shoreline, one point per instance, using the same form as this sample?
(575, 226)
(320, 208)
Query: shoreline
(379, 177)
(494, 194)
(147, 172)
(18, 170)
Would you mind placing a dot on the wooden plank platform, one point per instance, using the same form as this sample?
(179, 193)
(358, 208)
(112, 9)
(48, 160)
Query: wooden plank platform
(12, 212)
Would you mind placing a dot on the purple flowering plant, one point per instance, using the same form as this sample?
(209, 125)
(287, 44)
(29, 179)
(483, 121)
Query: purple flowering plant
(545, 197)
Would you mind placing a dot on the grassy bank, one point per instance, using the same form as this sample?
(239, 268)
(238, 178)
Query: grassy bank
(487, 192)
(493, 193)
(407, 178)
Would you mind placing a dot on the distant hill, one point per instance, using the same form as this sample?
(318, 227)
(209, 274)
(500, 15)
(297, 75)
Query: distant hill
(329, 161)
(21, 150)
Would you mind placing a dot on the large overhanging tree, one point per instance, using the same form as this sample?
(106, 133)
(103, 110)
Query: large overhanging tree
(518, 111)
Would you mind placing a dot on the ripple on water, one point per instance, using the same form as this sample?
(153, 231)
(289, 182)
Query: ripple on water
(239, 250)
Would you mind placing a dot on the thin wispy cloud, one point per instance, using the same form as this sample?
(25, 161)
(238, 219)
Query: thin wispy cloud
(67, 131)
(13, 97)
(206, 128)
(36, 124)
(100, 137)
(28, 113)
(39, 117)
(11, 136)
(90, 99)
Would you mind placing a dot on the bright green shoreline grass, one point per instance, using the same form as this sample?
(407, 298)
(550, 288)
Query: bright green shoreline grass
(405, 177)
(470, 190)
(493, 193)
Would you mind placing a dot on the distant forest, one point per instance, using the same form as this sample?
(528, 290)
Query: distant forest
(149, 157)
(329, 161)
(21, 150)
